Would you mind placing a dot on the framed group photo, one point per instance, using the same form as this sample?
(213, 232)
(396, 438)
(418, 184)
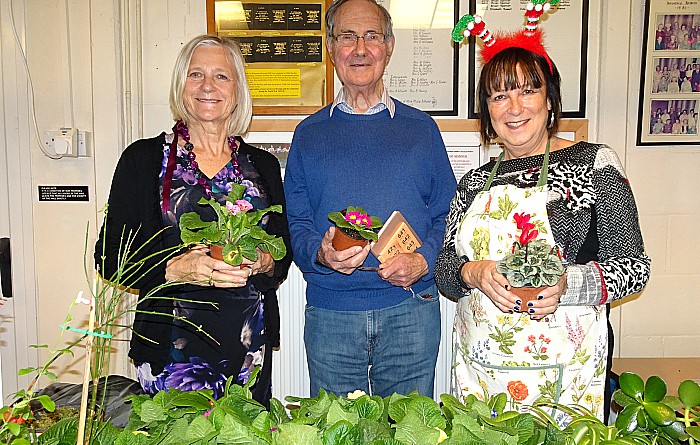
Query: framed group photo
(669, 99)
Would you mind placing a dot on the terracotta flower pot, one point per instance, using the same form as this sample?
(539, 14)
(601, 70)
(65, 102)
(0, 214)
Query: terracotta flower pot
(526, 294)
(217, 252)
(344, 239)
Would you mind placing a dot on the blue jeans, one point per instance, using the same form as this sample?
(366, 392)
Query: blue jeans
(379, 351)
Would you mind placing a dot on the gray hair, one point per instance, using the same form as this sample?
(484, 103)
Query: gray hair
(239, 121)
(335, 6)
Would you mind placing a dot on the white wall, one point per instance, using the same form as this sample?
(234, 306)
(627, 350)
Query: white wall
(104, 66)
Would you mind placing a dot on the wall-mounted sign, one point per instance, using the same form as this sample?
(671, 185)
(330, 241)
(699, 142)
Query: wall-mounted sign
(63, 193)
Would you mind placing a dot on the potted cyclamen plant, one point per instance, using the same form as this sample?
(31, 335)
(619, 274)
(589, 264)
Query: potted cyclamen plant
(354, 227)
(235, 234)
(532, 263)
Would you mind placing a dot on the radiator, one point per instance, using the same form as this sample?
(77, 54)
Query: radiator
(290, 375)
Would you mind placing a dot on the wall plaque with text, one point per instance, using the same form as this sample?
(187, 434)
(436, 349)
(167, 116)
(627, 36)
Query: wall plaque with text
(282, 42)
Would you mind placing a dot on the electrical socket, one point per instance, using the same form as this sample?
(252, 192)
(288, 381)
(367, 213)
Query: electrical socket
(66, 142)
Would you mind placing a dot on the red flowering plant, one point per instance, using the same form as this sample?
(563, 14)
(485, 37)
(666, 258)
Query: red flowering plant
(532, 261)
(356, 220)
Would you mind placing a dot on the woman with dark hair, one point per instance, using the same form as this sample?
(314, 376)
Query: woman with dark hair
(574, 196)
(232, 313)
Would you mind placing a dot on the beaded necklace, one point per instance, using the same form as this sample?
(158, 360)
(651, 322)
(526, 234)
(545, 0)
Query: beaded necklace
(190, 163)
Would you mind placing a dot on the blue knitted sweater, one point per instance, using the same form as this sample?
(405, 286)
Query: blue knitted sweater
(376, 162)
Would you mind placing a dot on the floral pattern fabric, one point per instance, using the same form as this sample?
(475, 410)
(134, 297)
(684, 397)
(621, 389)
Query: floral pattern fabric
(232, 338)
(561, 357)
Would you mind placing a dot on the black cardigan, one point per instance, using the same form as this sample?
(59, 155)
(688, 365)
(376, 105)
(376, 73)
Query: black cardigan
(134, 206)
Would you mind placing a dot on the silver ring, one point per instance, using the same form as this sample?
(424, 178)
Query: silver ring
(211, 278)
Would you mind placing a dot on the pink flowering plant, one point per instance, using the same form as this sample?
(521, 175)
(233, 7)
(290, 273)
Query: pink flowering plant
(532, 261)
(236, 229)
(356, 219)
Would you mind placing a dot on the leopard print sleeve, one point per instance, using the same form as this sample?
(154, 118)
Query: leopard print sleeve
(623, 267)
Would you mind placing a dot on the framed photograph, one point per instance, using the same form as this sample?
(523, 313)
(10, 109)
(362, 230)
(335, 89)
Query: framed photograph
(566, 40)
(424, 68)
(669, 92)
(284, 45)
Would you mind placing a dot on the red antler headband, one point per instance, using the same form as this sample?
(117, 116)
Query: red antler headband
(529, 39)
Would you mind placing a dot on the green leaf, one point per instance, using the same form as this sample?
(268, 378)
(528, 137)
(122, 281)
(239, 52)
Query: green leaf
(659, 413)
(237, 192)
(627, 419)
(63, 432)
(192, 221)
(295, 434)
(278, 413)
(151, 412)
(234, 432)
(200, 429)
(276, 248)
(398, 406)
(192, 399)
(14, 428)
(428, 411)
(673, 402)
(498, 402)
(336, 413)
(367, 408)
(693, 431)
(689, 393)
(258, 233)
(338, 219)
(46, 402)
(338, 433)
(25, 371)
(676, 431)
(655, 389)
(622, 399)
(412, 430)
(632, 385)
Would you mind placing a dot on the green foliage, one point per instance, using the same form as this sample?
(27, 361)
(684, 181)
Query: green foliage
(18, 424)
(236, 230)
(533, 264)
(183, 418)
(362, 223)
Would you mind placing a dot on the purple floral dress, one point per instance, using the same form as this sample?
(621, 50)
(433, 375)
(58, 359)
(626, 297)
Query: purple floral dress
(233, 340)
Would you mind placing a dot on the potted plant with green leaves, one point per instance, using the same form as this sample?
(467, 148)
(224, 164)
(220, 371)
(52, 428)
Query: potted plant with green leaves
(235, 234)
(532, 263)
(354, 227)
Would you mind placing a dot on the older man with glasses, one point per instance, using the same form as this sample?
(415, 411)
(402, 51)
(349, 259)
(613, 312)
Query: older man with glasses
(377, 330)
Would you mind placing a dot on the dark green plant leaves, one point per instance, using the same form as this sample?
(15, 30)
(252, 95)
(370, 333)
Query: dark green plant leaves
(689, 393)
(654, 389)
(632, 385)
(627, 419)
(659, 413)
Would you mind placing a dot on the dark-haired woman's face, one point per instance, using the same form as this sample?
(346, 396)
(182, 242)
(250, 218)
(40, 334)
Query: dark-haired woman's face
(519, 117)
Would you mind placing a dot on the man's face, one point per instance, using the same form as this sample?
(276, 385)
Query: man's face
(360, 66)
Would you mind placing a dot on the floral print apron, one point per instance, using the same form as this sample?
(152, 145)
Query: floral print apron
(561, 357)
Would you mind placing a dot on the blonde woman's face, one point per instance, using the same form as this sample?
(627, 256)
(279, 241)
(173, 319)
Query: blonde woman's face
(210, 87)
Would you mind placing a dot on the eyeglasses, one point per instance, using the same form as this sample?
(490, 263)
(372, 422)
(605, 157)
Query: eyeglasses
(350, 39)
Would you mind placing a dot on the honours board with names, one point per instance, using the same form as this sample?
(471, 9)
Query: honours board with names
(423, 69)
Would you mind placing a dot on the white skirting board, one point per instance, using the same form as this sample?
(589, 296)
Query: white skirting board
(290, 375)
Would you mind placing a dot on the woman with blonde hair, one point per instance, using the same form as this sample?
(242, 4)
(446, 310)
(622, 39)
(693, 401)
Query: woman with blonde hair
(232, 313)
